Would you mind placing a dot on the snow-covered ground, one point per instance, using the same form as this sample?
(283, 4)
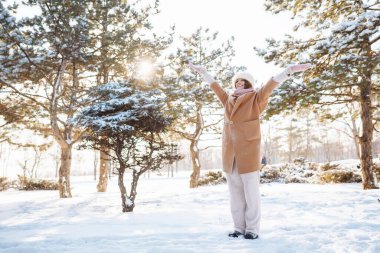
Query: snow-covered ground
(170, 217)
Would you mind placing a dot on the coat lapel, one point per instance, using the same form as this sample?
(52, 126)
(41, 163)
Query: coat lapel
(239, 101)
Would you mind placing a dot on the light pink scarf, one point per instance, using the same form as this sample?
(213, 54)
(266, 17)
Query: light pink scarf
(237, 93)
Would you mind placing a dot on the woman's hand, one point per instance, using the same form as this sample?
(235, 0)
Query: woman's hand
(298, 68)
(289, 71)
(197, 68)
(202, 71)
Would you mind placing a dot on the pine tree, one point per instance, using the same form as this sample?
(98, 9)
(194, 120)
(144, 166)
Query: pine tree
(346, 62)
(118, 41)
(43, 57)
(129, 122)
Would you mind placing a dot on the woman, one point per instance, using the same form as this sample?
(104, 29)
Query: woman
(241, 143)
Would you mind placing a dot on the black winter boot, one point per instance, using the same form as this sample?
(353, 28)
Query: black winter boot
(235, 234)
(251, 236)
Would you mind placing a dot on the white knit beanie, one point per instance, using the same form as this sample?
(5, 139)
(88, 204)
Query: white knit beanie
(245, 76)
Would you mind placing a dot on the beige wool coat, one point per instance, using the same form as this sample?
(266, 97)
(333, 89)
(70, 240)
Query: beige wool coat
(241, 131)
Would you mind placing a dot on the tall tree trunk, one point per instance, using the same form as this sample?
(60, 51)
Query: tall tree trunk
(194, 150)
(123, 191)
(61, 137)
(103, 79)
(132, 195)
(196, 164)
(64, 172)
(103, 171)
(365, 140)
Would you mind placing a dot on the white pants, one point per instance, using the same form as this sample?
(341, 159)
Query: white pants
(245, 200)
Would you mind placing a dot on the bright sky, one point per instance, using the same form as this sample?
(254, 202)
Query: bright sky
(246, 20)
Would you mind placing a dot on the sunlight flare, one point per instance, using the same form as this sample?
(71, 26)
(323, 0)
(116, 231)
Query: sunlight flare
(145, 69)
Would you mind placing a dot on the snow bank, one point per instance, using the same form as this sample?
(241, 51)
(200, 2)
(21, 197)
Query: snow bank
(302, 171)
(170, 217)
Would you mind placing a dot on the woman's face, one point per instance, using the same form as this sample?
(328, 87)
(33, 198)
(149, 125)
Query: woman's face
(239, 84)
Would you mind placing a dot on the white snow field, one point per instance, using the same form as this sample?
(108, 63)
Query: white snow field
(170, 217)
